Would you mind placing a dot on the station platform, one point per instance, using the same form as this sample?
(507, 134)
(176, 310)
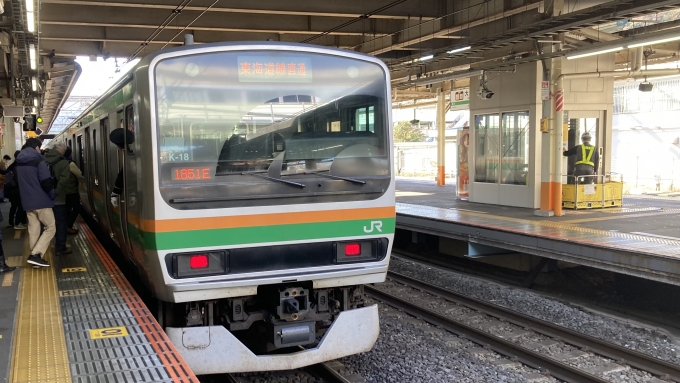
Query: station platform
(642, 238)
(79, 320)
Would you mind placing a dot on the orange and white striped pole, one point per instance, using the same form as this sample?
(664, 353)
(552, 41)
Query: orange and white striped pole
(441, 137)
(558, 126)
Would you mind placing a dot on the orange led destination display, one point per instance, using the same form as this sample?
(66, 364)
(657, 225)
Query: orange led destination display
(274, 69)
(192, 174)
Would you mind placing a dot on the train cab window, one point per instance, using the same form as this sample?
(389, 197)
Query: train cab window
(326, 110)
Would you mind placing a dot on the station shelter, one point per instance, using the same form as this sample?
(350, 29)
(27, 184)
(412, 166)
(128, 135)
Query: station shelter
(509, 156)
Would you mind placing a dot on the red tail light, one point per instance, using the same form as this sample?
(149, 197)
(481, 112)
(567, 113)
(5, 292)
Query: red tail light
(352, 249)
(199, 261)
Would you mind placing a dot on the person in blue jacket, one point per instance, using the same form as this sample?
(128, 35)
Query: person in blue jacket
(36, 187)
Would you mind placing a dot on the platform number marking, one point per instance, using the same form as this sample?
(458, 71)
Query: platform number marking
(73, 269)
(73, 293)
(375, 225)
(111, 332)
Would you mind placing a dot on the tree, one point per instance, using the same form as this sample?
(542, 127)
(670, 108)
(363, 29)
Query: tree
(405, 132)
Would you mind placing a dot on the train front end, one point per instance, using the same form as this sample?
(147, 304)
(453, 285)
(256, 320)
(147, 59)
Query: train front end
(273, 202)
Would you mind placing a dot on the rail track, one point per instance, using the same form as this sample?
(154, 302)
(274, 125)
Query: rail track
(323, 372)
(557, 366)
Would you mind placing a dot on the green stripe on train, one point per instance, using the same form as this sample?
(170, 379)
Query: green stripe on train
(261, 234)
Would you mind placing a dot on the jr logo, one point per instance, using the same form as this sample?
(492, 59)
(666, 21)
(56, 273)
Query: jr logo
(375, 225)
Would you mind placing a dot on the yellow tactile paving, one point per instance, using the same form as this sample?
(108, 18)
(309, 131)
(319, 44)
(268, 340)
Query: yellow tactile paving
(39, 354)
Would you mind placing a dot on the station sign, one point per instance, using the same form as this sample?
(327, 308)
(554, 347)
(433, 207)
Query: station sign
(545, 90)
(460, 99)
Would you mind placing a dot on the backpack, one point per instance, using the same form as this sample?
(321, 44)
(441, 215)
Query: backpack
(54, 177)
(10, 180)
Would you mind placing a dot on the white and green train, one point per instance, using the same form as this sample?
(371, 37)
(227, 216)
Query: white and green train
(258, 197)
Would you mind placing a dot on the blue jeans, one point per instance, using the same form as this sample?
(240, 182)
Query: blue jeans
(60, 219)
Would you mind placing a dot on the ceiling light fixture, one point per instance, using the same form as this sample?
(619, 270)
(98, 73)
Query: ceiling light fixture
(660, 41)
(458, 50)
(30, 22)
(425, 58)
(30, 16)
(34, 84)
(32, 56)
(593, 53)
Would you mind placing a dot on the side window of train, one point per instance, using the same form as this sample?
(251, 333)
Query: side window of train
(364, 119)
(96, 155)
(130, 124)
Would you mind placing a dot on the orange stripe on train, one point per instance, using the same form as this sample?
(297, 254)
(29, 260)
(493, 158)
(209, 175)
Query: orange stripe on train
(186, 224)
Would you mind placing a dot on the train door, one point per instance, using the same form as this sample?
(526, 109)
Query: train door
(128, 196)
(83, 186)
(113, 167)
(91, 170)
(102, 199)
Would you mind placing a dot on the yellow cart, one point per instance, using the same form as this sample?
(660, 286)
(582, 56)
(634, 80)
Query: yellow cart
(593, 196)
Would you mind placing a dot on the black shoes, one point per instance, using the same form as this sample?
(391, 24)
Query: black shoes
(64, 252)
(36, 260)
(6, 269)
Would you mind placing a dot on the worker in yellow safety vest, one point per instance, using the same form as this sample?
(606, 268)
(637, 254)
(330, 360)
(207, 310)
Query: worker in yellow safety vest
(587, 160)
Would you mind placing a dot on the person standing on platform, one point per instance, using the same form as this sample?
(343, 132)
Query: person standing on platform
(587, 159)
(17, 215)
(72, 196)
(3, 266)
(62, 173)
(36, 188)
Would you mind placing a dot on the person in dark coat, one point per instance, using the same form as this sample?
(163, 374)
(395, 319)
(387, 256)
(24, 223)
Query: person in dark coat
(36, 188)
(17, 215)
(62, 173)
(72, 194)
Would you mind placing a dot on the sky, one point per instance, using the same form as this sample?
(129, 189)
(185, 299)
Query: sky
(98, 76)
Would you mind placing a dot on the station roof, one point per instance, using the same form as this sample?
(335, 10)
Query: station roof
(401, 32)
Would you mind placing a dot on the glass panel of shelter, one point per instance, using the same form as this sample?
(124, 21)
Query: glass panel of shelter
(502, 140)
(515, 148)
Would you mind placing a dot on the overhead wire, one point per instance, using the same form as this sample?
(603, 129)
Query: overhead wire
(357, 19)
(161, 27)
(191, 23)
(423, 22)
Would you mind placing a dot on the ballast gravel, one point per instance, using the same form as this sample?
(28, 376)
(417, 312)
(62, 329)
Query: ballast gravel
(410, 350)
(645, 340)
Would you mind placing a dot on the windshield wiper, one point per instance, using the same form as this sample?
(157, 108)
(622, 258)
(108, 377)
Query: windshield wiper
(352, 180)
(259, 175)
(273, 173)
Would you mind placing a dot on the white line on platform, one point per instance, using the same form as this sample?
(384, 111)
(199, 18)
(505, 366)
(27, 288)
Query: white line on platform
(655, 236)
(474, 211)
